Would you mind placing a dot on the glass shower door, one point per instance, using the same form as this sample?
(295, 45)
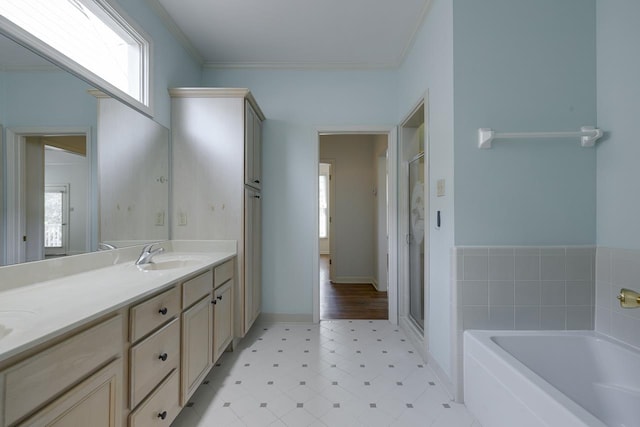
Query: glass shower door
(415, 240)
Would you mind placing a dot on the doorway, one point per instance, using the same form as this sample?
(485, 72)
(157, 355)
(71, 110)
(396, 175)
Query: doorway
(48, 194)
(353, 227)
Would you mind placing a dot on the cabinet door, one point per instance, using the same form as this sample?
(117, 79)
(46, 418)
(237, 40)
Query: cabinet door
(249, 141)
(257, 152)
(222, 318)
(197, 334)
(95, 402)
(256, 261)
(252, 258)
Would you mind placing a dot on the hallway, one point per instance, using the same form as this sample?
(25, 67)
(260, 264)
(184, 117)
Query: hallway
(349, 301)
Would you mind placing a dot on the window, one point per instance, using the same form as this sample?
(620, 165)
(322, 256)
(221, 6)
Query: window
(324, 206)
(91, 34)
(56, 214)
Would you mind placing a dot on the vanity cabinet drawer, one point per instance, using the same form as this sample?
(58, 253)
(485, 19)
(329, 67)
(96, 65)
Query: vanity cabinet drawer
(223, 273)
(152, 359)
(147, 316)
(162, 407)
(194, 289)
(95, 402)
(29, 384)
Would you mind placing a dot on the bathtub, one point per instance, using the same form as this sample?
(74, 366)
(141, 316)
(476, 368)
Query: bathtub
(547, 378)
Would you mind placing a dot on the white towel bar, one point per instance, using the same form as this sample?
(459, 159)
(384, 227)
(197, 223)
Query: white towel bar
(588, 136)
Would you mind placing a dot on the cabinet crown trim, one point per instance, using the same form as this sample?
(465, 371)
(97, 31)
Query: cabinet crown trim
(217, 92)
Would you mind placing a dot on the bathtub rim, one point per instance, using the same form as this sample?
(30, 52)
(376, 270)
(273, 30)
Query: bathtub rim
(483, 340)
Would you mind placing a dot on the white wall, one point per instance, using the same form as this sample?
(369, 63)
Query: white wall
(133, 155)
(353, 210)
(429, 67)
(380, 232)
(67, 168)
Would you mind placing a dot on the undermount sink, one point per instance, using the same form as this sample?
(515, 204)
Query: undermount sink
(10, 320)
(4, 331)
(168, 265)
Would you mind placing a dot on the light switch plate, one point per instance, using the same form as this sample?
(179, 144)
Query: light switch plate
(160, 218)
(182, 218)
(440, 188)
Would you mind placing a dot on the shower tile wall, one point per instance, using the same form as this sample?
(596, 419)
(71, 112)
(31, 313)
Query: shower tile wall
(615, 269)
(525, 288)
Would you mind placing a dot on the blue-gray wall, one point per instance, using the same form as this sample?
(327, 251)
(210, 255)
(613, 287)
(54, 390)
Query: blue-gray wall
(618, 113)
(296, 103)
(524, 66)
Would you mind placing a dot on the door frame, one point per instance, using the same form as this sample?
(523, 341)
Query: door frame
(392, 211)
(15, 182)
(421, 338)
(332, 166)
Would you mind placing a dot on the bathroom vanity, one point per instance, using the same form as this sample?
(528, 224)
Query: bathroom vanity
(97, 340)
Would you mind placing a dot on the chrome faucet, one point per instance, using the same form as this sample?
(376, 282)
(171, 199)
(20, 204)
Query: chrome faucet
(148, 253)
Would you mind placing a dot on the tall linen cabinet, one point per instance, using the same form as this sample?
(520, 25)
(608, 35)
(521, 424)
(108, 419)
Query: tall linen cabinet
(216, 181)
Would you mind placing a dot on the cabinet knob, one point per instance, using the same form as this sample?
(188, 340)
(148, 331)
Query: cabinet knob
(162, 415)
(163, 311)
(257, 181)
(214, 302)
(219, 297)
(163, 357)
(256, 196)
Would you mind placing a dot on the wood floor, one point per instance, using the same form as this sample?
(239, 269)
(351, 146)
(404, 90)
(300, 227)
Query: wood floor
(349, 301)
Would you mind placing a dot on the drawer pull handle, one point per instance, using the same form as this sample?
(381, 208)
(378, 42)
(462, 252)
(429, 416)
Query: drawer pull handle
(163, 357)
(163, 311)
(162, 415)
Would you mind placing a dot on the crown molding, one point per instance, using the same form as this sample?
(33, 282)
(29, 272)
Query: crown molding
(414, 34)
(217, 92)
(175, 30)
(276, 65)
(98, 94)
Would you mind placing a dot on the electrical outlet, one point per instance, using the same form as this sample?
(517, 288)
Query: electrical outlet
(182, 218)
(440, 188)
(160, 218)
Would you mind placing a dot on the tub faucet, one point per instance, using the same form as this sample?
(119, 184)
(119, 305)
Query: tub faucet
(148, 253)
(629, 298)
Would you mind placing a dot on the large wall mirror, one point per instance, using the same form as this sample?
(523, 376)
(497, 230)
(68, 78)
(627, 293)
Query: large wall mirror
(75, 169)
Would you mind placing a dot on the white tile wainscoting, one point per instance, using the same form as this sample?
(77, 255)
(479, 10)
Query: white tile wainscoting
(525, 288)
(617, 268)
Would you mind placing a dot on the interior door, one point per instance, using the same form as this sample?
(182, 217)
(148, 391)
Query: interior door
(415, 239)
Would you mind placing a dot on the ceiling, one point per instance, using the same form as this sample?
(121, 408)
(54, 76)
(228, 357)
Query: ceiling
(298, 33)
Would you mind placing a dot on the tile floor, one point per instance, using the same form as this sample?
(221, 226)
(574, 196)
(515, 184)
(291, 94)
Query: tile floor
(336, 373)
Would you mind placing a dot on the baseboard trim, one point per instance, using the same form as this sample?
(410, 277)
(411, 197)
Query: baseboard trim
(353, 280)
(414, 336)
(441, 375)
(285, 318)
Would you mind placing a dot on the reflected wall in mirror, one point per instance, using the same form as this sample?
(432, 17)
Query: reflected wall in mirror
(40, 101)
(40, 105)
(133, 164)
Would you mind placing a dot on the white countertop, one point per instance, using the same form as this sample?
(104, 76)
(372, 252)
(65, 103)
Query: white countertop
(35, 312)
